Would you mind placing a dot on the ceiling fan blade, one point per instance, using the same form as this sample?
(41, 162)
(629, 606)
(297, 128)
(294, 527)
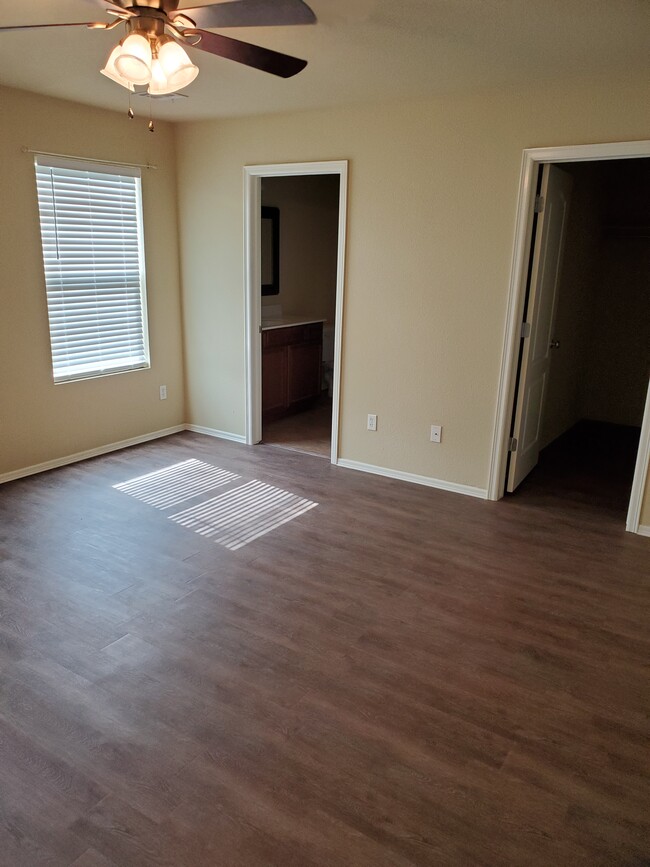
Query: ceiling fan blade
(250, 13)
(117, 8)
(265, 59)
(40, 26)
(108, 5)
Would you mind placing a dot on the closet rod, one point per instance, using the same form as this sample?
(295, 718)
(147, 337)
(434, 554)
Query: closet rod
(27, 150)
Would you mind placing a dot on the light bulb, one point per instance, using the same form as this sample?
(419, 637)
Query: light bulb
(134, 59)
(159, 84)
(177, 66)
(110, 72)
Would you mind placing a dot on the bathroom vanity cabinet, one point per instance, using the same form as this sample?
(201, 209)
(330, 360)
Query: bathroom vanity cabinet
(291, 366)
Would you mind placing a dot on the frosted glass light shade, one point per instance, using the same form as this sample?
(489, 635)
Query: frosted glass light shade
(159, 84)
(134, 60)
(110, 72)
(177, 66)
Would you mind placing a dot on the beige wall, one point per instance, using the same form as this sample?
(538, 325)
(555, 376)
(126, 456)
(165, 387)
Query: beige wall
(432, 195)
(40, 421)
(308, 243)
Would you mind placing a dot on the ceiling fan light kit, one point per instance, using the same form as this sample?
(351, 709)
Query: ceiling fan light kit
(152, 55)
(145, 58)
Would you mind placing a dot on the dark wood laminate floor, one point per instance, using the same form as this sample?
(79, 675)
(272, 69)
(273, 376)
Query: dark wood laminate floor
(588, 469)
(400, 676)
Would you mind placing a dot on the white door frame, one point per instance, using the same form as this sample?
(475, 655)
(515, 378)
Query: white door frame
(532, 159)
(252, 280)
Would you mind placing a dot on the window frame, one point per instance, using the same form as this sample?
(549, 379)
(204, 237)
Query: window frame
(107, 369)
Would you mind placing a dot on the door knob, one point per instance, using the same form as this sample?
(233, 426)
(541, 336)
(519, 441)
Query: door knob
(554, 344)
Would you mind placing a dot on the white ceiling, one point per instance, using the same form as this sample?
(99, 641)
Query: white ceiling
(360, 51)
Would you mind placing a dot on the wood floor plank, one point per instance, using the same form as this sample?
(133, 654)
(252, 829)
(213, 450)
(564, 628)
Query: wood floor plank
(92, 858)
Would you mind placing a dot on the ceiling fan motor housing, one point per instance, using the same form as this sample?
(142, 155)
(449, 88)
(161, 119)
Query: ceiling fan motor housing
(165, 6)
(148, 25)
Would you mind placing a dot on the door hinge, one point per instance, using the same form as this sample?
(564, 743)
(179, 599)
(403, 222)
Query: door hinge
(525, 330)
(539, 204)
(512, 444)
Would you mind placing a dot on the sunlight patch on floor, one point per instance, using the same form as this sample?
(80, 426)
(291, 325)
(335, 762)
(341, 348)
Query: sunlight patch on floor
(237, 517)
(177, 483)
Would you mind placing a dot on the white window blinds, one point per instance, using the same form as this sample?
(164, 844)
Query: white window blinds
(91, 229)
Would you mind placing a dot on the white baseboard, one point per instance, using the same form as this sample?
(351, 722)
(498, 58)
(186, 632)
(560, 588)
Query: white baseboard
(643, 530)
(467, 490)
(89, 453)
(220, 434)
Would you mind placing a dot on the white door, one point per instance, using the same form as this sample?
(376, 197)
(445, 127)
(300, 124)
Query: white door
(538, 342)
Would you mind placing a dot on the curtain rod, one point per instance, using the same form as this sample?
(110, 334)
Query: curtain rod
(27, 150)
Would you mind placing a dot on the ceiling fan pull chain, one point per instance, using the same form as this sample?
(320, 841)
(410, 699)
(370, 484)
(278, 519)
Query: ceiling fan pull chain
(130, 114)
(152, 128)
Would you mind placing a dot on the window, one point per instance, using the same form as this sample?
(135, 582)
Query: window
(91, 229)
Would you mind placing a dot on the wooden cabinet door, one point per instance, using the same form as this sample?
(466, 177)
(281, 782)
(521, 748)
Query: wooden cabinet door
(304, 367)
(274, 378)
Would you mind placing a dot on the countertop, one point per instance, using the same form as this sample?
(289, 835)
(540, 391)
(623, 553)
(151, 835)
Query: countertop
(287, 322)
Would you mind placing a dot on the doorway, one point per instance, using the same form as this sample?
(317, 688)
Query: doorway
(576, 384)
(294, 256)
(299, 259)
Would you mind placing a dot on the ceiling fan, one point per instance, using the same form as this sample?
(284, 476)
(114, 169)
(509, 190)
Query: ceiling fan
(151, 55)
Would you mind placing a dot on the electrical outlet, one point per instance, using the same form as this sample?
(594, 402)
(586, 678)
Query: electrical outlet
(436, 433)
(163, 392)
(372, 422)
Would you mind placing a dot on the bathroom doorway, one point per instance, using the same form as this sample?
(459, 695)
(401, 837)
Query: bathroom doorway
(295, 243)
(300, 217)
